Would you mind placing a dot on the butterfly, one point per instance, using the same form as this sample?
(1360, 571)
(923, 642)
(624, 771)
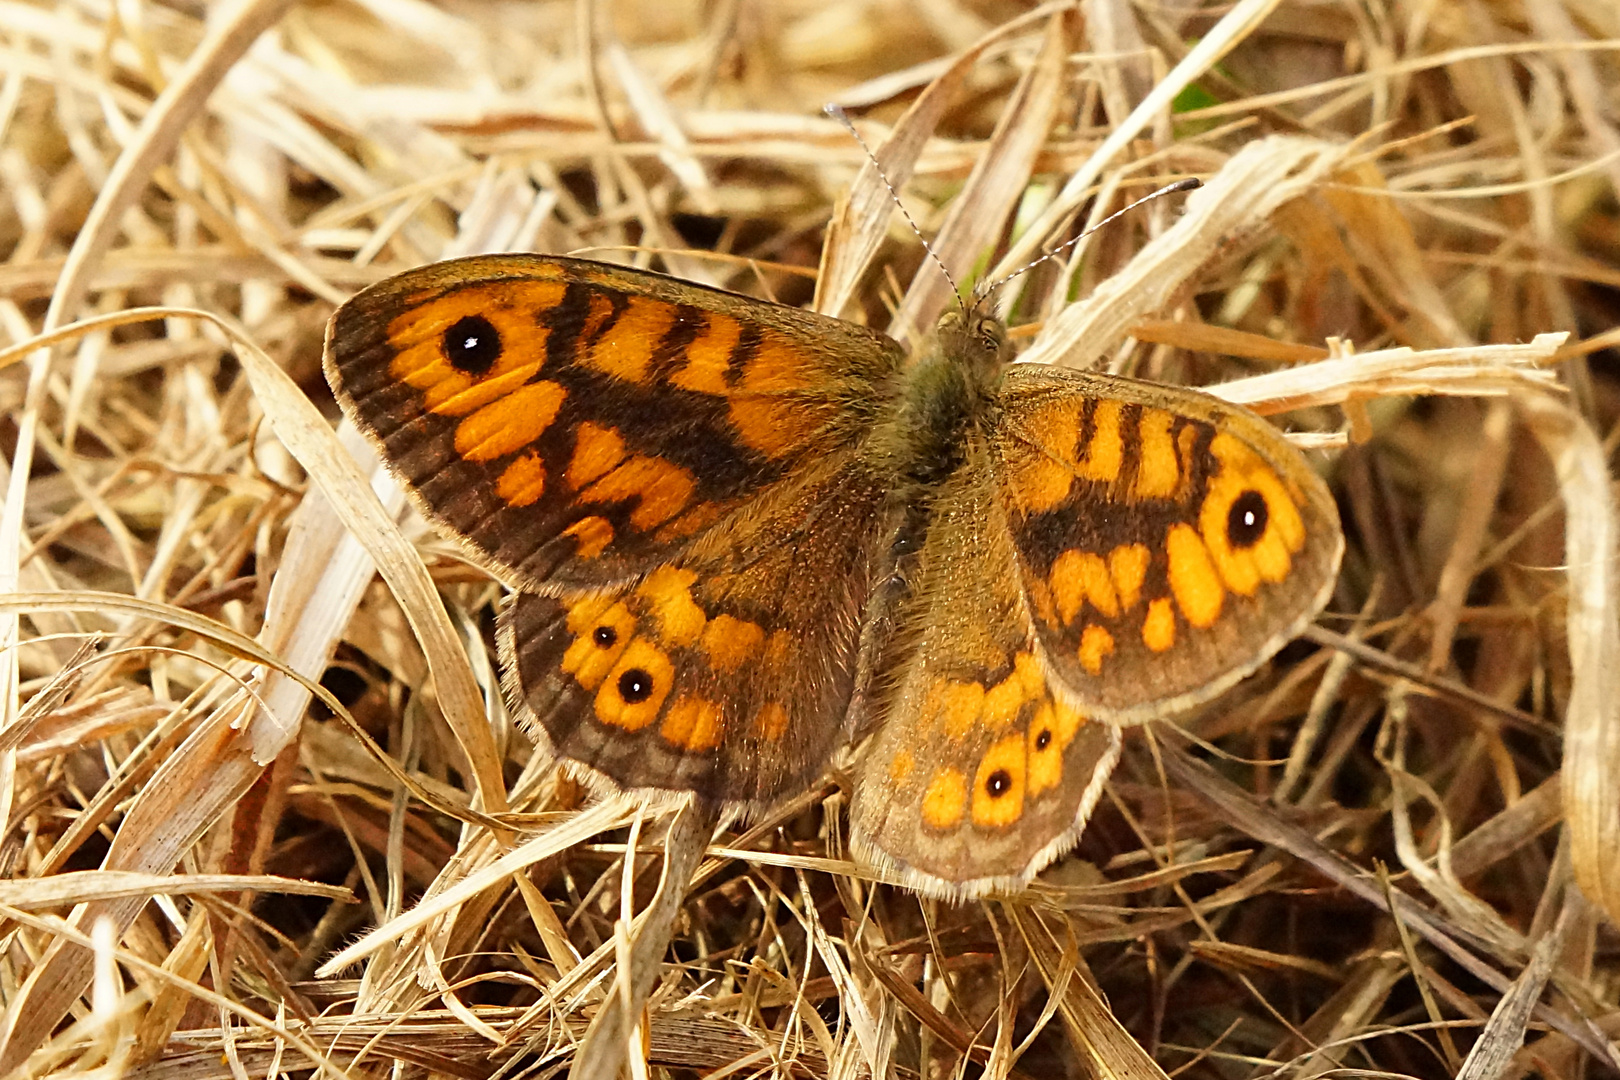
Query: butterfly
(740, 535)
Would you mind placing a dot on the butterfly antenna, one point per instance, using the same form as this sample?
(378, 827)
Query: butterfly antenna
(836, 111)
(1180, 185)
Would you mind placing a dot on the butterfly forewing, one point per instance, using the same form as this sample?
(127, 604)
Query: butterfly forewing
(1168, 543)
(576, 423)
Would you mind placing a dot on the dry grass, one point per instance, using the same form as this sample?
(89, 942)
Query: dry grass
(1393, 850)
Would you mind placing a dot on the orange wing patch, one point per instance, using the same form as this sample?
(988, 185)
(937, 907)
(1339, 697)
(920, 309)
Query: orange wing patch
(1105, 451)
(602, 472)
(698, 516)
(591, 536)
(1053, 729)
(999, 787)
(763, 409)
(667, 592)
(729, 643)
(509, 423)
(1039, 484)
(960, 707)
(625, 349)
(693, 724)
(602, 628)
(1043, 481)
(1128, 565)
(1158, 469)
(945, 800)
(597, 450)
(1249, 521)
(660, 488)
(1110, 586)
(1193, 581)
(1159, 628)
(1025, 683)
(709, 356)
(1078, 578)
(421, 333)
(633, 693)
(523, 481)
(1095, 645)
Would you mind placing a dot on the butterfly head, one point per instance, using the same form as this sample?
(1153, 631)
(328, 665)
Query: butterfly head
(975, 339)
(947, 388)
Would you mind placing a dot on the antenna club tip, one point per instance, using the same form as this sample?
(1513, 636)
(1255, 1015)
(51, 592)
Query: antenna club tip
(1188, 184)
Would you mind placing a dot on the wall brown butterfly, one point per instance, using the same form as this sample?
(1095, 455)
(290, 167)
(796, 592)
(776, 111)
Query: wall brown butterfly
(740, 534)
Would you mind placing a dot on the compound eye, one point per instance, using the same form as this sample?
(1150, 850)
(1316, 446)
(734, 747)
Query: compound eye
(989, 336)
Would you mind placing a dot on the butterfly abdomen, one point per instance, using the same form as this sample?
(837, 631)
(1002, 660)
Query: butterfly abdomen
(941, 408)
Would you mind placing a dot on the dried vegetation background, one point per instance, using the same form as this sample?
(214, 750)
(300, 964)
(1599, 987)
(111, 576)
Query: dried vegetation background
(1393, 856)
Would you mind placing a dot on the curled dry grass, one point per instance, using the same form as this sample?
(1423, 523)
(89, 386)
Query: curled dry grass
(1392, 850)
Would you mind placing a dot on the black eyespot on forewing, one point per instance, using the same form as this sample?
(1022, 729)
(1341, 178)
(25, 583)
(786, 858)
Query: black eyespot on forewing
(605, 637)
(1044, 739)
(1246, 520)
(998, 783)
(635, 686)
(472, 345)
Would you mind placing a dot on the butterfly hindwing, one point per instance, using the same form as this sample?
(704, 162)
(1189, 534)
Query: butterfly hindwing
(576, 423)
(726, 671)
(1168, 543)
(978, 774)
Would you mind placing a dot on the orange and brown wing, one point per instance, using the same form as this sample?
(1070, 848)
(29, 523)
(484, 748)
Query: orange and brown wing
(577, 422)
(979, 774)
(1168, 543)
(726, 671)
